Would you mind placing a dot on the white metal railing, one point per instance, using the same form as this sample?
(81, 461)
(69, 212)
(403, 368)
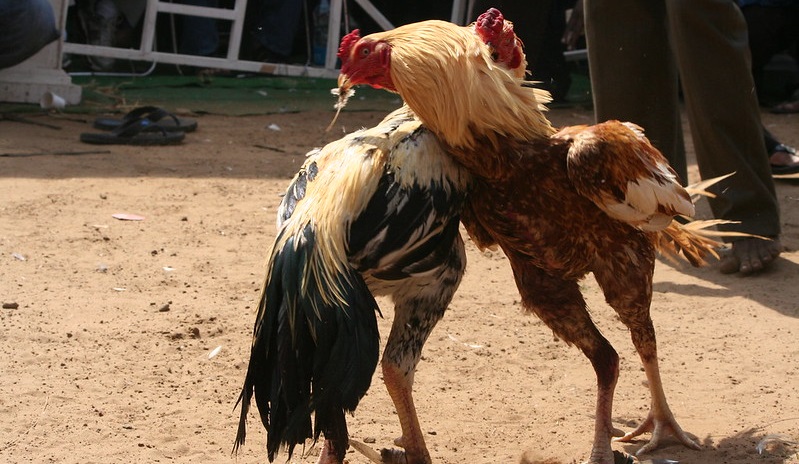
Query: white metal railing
(145, 52)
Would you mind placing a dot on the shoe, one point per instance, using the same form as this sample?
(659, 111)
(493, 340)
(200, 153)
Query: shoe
(783, 169)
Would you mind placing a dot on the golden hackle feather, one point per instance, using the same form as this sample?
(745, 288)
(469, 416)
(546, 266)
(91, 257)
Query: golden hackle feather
(480, 101)
(699, 189)
(332, 201)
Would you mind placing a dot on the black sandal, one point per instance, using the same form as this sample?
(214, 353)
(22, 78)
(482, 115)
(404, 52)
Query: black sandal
(165, 119)
(140, 131)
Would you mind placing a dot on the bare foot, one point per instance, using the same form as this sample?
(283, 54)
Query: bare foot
(750, 255)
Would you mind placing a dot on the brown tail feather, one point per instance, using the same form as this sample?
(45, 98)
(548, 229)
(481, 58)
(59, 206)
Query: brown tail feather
(695, 240)
(693, 243)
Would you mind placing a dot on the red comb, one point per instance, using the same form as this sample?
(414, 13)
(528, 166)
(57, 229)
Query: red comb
(489, 25)
(346, 44)
(497, 33)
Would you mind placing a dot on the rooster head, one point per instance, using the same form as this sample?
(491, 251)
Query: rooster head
(367, 60)
(460, 86)
(364, 61)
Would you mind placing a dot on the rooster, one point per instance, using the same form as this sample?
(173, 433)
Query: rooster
(561, 204)
(374, 213)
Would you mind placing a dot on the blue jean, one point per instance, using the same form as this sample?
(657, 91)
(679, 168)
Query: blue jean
(276, 24)
(198, 36)
(27, 25)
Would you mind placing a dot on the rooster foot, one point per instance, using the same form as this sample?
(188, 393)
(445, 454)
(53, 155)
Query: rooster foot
(660, 428)
(387, 455)
(603, 454)
(623, 458)
(367, 451)
(395, 456)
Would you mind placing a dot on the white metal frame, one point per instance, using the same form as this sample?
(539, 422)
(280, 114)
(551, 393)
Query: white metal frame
(145, 52)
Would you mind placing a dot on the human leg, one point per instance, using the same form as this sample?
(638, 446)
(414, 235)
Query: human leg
(275, 27)
(198, 35)
(725, 122)
(633, 75)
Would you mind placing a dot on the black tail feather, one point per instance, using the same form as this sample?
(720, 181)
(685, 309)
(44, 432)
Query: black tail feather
(309, 356)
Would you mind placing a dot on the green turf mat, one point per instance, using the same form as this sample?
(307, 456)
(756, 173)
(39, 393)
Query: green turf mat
(235, 96)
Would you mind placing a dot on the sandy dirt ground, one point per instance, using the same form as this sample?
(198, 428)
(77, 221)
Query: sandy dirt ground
(127, 341)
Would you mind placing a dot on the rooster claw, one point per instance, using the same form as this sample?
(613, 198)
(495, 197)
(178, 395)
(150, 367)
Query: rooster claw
(392, 456)
(367, 451)
(620, 457)
(385, 456)
(660, 428)
(623, 458)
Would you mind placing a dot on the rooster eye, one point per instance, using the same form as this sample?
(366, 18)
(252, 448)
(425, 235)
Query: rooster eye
(364, 52)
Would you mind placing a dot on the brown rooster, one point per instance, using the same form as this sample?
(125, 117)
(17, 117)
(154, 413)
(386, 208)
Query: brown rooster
(560, 204)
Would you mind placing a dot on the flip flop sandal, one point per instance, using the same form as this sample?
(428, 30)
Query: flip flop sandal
(788, 107)
(135, 132)
(164, 118)
(784, 169)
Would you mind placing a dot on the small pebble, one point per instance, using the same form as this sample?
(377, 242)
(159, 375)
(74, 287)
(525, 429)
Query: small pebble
(11, 305)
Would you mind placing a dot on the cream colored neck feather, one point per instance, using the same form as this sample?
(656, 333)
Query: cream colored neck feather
(447, 77)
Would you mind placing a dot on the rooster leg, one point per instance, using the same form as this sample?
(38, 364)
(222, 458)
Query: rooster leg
(628, 290)
(416, 313)
(605, 361)
(420, 303)
(414, 319)
(559, 304)
(336, 437)
(399, 387)
(328, 455)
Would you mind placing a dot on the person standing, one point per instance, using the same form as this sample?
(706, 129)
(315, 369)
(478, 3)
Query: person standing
(639, 51)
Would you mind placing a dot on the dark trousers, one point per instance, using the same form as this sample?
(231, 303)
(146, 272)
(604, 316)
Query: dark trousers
(640, 50)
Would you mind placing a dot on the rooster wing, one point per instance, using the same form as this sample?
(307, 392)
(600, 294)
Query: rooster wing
(614, 165)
